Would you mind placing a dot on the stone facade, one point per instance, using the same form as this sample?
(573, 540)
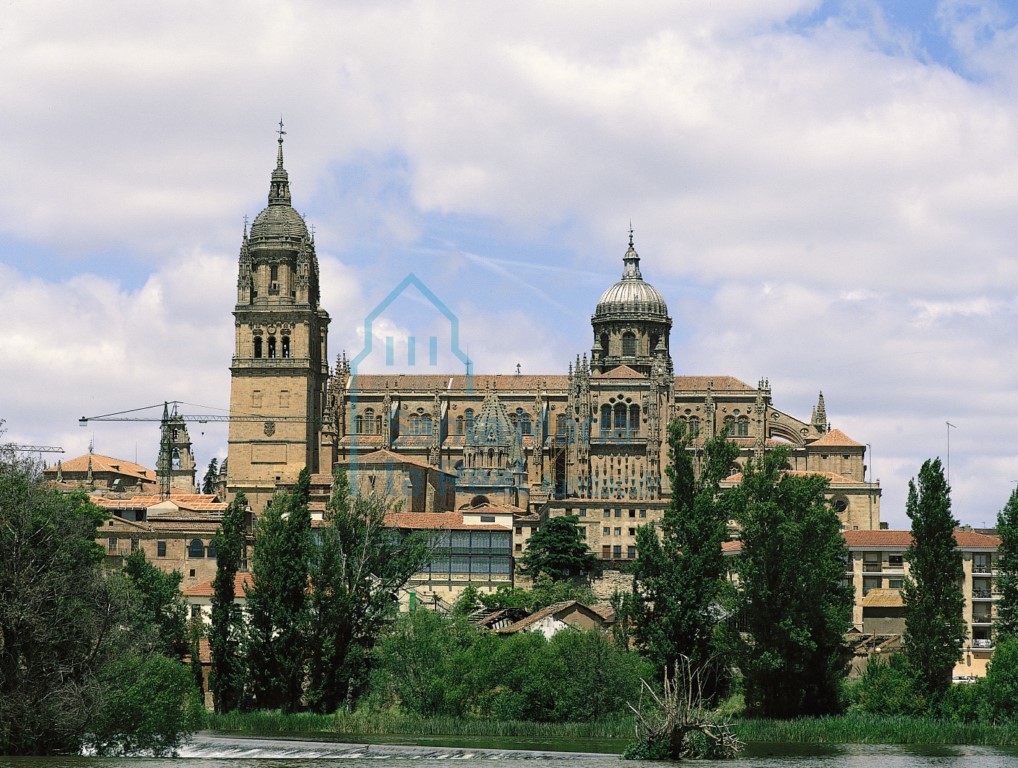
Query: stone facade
(591, 440)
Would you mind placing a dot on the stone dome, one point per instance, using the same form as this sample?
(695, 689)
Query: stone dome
(632, 295)
(277, 222)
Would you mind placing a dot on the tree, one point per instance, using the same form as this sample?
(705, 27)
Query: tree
(558, 549)
(1007, 563)
(792, 603)
(679, 579)
(208, 483)
(999, 700)
(358, 568)
(934, 625)
(67, 626)
(226, 633)
(277, 600)
(160, 602)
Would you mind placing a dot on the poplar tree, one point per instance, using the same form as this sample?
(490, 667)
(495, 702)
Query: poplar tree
(358, 568)
(277, 600)
(934, 625)
(226, 633)
(679, 579)
(1007, 563)
(794, 608)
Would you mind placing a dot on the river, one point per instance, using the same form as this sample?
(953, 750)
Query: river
(216, 751)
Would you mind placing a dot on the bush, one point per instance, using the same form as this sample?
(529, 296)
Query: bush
(1000, 688)
(890, 688)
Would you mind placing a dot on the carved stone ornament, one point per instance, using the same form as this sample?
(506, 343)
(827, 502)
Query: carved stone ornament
(270, 428)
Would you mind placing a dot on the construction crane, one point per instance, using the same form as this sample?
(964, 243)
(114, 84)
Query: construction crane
(31, 448)
(171, 415)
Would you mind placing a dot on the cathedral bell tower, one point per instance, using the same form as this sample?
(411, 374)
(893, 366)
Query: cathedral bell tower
(279, 368)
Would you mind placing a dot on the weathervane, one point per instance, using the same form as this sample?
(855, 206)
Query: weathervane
(281, 132)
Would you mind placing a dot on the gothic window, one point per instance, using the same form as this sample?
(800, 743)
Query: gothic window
(694, 426)
(620, 419)
(561, 424)
(196, 549)
(629, 344)
(425, 425)
(286, 347)
(258, 346)
(459, 425)
(274, 280)
(743, 426)
(359, 424)
(272, 347)
(604, 344)
(634, 419)
(469, 421)
(606, 419)
(175, 461)
(730, 425)
(176, 435)
(522, 421)
(653, 341)
(369, 421)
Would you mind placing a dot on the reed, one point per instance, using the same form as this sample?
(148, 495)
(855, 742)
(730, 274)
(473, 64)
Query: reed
(862, 728)
(398, 724)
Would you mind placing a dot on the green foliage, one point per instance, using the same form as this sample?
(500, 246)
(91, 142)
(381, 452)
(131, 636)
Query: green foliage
(208, 483)
(152, 706)
(648, 749)
(468, 601)
(67, 627)
(1007, 563)
(276, 646)
(160, 602)
(546, 591)
(680, 586)
(226, 633)
(999, 690)
(430, 666)
(889, 687)
(357, 570)
(793, 606)
(559, 550)
(934, 625)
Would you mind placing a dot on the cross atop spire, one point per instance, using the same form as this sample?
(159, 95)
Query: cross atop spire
(630, 233)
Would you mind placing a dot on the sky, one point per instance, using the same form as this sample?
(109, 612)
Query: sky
(824, 192)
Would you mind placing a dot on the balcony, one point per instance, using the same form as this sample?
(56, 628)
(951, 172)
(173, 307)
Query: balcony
(982, 644)
(983, 593)
(872, 567)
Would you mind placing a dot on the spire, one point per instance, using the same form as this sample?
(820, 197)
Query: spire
(279, 189)
(631, 270)
(820, 415)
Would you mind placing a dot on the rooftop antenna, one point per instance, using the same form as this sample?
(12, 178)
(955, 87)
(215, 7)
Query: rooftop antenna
(950, 426)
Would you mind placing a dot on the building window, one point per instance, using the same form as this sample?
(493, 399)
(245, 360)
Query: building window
(632, 513)
(896, 561)
(631, 553)
(286, 347)
(195, 611)
(743, 426)
(160, 549)
(606, 551)
(606, 420)
(694, 426)
(469, 421)
(618, 513)
(629, 344)
(643, 513)
(519, 547)
(618, 531)
(617, 551)
(604, 532)
(272, 347)
(632, 531)
(196, 549)
(895, 583)
(111, 545)
(258, 346)
(607, 513)
(135, 542)
(870, 582)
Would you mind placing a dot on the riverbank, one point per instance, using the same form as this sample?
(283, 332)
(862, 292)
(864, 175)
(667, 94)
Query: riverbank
(856, 728)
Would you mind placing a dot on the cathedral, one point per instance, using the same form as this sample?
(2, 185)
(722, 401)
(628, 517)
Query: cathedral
(589, 440)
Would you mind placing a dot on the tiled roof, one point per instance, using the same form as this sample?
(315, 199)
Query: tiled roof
(241, 581)
(902, 539)
(441, 521)
(551, 610)
(836, 438)
(830, 476)
(621, 372)
(887, 539)
(479, 383)
(883, 598)
(383, 457)
(493, 509)
(188, 502)
(104, 464)
(721, 384)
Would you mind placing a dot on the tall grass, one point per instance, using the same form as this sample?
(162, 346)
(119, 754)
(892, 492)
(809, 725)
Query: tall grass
(397, 724)
(863, 728)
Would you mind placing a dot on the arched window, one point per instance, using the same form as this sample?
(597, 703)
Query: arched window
(604, 344)
(606, 419)
(425, 425)
(258, 346)
(730, 425)
(176, 435)
(195, 549)
(743, 426)
(561, 424)
(629, 344)
(286, 346)
(272, 347)
(469, 421)
(212, 552)
(459, 425)
(369, 421)
(522, 421)
(175, 461)
(358, 424)
(620, 418)
(634, 419)
(694, 426)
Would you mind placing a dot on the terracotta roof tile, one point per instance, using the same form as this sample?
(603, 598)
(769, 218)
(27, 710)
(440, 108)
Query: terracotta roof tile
(894, 540)
(102, 463)
(439, 521)
(241, 582)
(883, 598)
(721, 384)
(831, 477)
(836, 438)
(384, 457)
(621, 372)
